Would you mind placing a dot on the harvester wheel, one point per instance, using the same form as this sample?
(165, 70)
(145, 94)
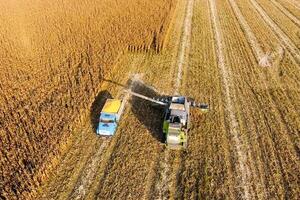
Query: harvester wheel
(184, 145)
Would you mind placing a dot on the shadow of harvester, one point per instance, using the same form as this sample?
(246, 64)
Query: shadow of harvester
(148, 113)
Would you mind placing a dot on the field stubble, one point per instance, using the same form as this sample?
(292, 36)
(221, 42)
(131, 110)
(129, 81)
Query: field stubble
(265, 142)
(207, 168)
(253, 87)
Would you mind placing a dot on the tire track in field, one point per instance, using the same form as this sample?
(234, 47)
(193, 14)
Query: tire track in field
(86, 178)
(225, 73)
(182, 61)
(265, 60)
(150, 180)
(164, 184)
(164, 179)
(257, 49)
(293, 2)
(262, 58)
(104, 166)
(286, 12)
(284, 39)
(256, 46)
(185, 43)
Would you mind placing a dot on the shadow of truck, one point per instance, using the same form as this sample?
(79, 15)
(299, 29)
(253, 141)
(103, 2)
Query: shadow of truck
(97, 106)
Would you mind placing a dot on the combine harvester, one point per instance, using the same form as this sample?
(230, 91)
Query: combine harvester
(176, 117)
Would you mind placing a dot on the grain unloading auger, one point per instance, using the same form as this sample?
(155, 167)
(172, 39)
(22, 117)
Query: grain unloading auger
(176, 117)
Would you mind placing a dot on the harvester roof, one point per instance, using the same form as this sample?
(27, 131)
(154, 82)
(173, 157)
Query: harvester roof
(111, 106)
(177, 106)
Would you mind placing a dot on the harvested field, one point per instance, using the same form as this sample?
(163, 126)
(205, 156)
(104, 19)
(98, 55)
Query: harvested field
(241, 57)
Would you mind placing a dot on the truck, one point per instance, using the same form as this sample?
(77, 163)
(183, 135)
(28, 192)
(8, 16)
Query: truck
(109, 117)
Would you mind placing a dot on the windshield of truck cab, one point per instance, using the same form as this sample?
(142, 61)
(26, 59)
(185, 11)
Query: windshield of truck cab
(107, 121)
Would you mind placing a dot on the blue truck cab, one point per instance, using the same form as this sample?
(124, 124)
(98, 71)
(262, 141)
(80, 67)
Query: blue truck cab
(107, 124)
(109, 117)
